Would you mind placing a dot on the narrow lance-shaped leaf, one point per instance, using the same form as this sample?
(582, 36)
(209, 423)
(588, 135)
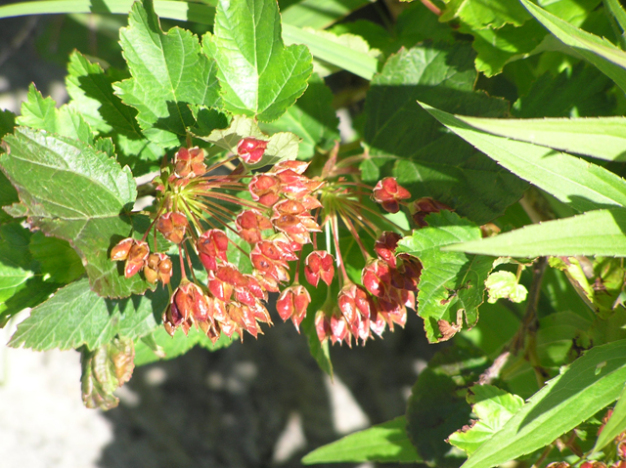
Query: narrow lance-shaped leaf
(259, 75)
(599, 232)
(582, 185)
(85, 200)
(608, 58)
(602, 137)
(451, 284)
(169, 74)
(77, 316)
(615, 425)
(590, 384)
(386, 442)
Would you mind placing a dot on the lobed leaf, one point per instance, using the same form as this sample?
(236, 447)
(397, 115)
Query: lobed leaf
(86, 200)
(258, 74)
(386, 442)
(599, 232)
(591, 383)
(451, 284)
(582, 185)
(169, 74)
(77, 316)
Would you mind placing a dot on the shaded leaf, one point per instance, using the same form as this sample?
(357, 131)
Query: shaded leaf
(312, 118)
(58, 260)
(615, 425)
(258, 74)
(86, 200)
(573, 181)
(426, 160)
(386, 442)
(16, 263)
(451, 284)
(169, 73)
(77, 316)
(319, 14)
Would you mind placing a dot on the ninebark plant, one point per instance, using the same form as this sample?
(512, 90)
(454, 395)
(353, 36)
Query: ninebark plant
(483, 228)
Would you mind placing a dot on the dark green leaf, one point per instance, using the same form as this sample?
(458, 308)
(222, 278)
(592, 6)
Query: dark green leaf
(57, 258)
(7, 122)
(590, 384)
(77, 316)
(16, 263)
(385, 442)
(450, 286)
(259, 75)
(437, 405)
(312, 118)
(319, 14)
(573, 181)
(430, 162)
(169, 73)
(8, 196)
(85, 200)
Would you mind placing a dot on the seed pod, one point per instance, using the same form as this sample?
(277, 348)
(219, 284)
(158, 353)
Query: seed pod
(251, 150)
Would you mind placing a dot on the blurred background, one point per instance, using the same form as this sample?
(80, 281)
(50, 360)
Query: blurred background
(261, 403)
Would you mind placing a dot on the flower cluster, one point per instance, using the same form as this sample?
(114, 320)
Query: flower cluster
(202, 210)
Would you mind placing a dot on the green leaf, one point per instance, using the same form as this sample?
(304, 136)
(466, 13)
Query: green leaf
(608, 58)
(385, 442)
(8, 196)
(504, 284)
(437, 406)
(615, 425)
(77, 316)
(259, 75)
(573, 181)
(7, 122)
(42, 114)
(104, 370)
(85, 200)
(451, 284)
(169, 73)
(312, 118)
(602, 137)
(591, 383)
(618, 12)
(480, 15)
(359, 63)
(92, 95)
(280, 146)
(493, 407)
(429, 162)
(599, 232)
(178, 10)
(319, 351)
(169, 347)
(58, 260)
(16, 263)
(319, 14)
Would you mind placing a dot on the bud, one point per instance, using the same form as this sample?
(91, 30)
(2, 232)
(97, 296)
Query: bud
(173, 226)
(137, 256)
(388, 193)
(292, 303)
(319, 264)
(424, 206)
(385, 247)
(264, 189)
(251, 150)
(121, 250)
(322, 326)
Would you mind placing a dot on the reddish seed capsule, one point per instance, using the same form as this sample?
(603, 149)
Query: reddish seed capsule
(251, 150)
(319, 264)
(292, 304)
(121, 250)
(388, 193)
(385, 247)
(137, 256)
(173, 226)
(425, 206)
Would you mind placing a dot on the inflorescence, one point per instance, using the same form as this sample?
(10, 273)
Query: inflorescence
(205, 214)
